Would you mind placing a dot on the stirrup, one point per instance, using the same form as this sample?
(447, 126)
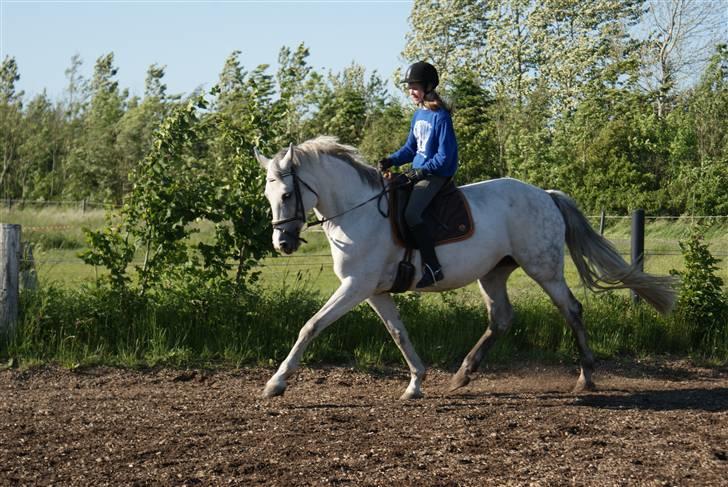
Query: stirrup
(430, 276)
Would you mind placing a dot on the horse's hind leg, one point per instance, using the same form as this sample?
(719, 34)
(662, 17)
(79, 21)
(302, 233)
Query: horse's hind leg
(571, 308)
(384, 306)
(500, 314)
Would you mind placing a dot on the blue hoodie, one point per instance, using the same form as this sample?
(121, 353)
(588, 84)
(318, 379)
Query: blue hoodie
(431, 144)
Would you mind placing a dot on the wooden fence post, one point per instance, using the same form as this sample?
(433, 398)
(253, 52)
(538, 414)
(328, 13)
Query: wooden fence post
(9, 276)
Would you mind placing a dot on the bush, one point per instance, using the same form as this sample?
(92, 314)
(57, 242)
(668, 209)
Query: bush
(702, 305)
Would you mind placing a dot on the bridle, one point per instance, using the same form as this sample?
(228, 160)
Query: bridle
(300, 212)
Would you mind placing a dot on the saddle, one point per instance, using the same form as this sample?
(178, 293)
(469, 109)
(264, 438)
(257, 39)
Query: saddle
(447, 217)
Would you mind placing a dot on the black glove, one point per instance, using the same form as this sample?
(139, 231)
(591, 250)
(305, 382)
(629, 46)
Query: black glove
(415, 175)
(385, 164)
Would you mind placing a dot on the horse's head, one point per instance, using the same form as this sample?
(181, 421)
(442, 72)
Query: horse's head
(290, 199)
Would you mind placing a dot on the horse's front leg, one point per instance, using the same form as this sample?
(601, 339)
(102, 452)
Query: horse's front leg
(384, 306)
(348, 295)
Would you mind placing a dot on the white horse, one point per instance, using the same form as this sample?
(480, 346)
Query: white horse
(516, 224)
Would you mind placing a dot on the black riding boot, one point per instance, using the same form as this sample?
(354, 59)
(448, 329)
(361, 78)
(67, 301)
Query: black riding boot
(431, 270)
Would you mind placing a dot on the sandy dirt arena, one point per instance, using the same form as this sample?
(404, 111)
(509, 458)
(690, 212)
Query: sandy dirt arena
(657, 423)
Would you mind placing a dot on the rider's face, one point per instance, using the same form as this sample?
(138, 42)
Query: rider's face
(416, 92)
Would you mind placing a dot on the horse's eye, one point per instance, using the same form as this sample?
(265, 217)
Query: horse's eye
(286, 196)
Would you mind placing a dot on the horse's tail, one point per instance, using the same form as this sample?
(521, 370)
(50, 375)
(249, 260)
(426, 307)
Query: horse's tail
(605, 268)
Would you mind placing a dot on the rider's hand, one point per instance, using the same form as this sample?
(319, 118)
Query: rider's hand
(385, 164)
(415, 175)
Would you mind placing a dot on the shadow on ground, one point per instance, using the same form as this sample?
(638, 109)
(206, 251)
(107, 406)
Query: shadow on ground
(708, 399)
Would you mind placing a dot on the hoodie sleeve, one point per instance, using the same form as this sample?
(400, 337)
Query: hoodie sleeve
(447, 148)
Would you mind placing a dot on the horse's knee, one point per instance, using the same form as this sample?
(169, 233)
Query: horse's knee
(307, 333)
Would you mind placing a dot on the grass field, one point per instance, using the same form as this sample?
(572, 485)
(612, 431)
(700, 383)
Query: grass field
(71, 321)
(58, 237)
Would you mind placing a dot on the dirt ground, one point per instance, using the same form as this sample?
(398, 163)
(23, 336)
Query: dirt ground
(657, 423)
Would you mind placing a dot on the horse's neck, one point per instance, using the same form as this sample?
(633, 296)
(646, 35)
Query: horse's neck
(339, 187)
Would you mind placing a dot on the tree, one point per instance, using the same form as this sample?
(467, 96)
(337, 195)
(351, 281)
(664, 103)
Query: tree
(385, 132)
(153, 86)
(682, 36)
(579, 43)
(344, 103)
(699, 146)
(42, 150)
(139, 122)
(294, 78)
(77, 90)
(201, 167)
(11, 129)
(478, 149)
(230, 83)
(445, 33)
(93, 166)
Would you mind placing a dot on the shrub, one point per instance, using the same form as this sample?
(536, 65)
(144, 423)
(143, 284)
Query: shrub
(702, 304)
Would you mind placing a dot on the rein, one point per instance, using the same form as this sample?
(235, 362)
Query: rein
(300, 214)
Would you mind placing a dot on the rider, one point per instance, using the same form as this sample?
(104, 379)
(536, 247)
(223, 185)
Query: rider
(433, 151)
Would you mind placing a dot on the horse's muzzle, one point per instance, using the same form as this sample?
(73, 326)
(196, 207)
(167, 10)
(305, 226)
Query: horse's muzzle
(287, 241)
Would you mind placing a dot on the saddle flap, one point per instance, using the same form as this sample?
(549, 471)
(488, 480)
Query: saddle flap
(447, 217)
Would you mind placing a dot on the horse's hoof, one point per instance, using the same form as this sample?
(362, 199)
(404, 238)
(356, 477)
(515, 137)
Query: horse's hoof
(272, 390)
(460, 379)
(411, 395)
(584, 386)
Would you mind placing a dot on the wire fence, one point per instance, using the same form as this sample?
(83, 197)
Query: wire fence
(654, 246)
(83, 205)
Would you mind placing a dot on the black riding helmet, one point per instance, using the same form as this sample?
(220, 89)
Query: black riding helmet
(424, 73)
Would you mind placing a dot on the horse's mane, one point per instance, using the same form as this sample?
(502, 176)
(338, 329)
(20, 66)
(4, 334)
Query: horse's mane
(312, 149)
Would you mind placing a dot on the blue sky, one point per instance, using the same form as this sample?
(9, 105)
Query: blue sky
(193, 38)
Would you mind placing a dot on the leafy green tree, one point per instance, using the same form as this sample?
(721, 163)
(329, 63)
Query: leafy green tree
(139, 122)
(201, 169)
(345, 104)
(230, 83)
(605, 153)
(445, 33)
(43, 150)
(77, 90)
(93, 165)
(699, 146)
(295, 78)
(476, 131)
(580, 42)
(11, 127)
(385, 132)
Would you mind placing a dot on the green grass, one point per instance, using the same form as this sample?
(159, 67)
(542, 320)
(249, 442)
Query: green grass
(92, 325)
(71, 320)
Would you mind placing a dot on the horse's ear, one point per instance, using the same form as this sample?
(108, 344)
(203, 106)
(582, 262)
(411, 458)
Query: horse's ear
(289, 155)
(262, 160)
